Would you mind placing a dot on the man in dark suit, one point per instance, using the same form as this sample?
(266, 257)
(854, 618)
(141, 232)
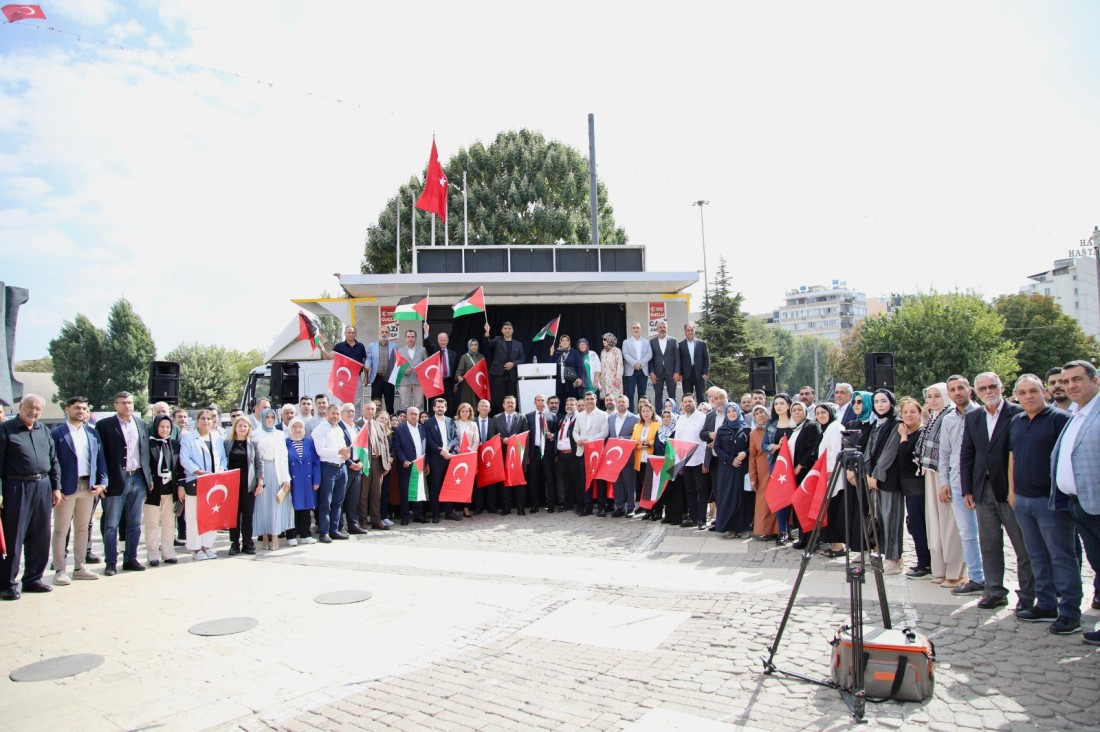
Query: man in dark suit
(504, 354)
(539, 457)
(83, 477)
(983, 472)
(717, 399)
(506, 424)
(442, 436)
(694, 363)
(129, 477)
(448, 362)
(410, 442)
(664, 369)
(569, 466)
(620, 424)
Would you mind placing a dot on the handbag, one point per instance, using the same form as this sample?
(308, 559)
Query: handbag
(569, 373)
(898, 664)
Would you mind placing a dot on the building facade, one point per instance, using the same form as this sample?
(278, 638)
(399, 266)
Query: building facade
(826, 311)
(1072, 284)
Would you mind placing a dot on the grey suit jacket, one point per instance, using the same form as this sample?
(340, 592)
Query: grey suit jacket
(1086, 463)
(419, 354)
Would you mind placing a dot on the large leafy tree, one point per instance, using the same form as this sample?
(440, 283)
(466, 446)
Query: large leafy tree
(207, 375)
(724, 329)
(78, 354)
(130, 349)
(933, 336)
(521, 189)
(1043, 334)
(797, 367)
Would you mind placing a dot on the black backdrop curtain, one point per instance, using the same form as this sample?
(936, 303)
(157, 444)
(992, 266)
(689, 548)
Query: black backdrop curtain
(589, 321)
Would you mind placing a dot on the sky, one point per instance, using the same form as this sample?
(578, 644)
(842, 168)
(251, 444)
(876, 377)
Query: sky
(208, 173)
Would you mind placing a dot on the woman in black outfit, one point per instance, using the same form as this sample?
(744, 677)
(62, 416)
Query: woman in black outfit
(735, 506)
(911, 478)
(803, 441)
(160, 502)
(241, 454)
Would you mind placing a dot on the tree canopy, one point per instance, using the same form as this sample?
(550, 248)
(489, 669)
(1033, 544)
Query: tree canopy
(130, 349)
(521, 189)
(723, 328)
(1043, 334)
(212, 374)
(78, 354)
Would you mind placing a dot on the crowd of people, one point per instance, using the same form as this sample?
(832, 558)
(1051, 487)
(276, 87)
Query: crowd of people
(957, 470)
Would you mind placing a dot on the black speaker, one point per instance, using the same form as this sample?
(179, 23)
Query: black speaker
(762, 374)
(164, 382)
(284, 383)
(878, 370)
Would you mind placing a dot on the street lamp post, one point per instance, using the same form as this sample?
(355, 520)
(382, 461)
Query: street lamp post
(1095, 241)
(703, 234)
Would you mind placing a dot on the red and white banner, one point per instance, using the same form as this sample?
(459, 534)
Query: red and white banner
(657, 313)
(385, 320)
(217, 495)
(458, 486)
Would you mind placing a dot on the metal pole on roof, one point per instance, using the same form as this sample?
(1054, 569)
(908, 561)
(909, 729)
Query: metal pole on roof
(592, 185)
(703, 233)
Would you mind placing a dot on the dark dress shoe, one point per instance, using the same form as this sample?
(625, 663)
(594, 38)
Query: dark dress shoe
(601, 514)
(90, 558)
(435, 519)
(379, 526)
(234, 549)
(586, 511)
(687, 524)
(989, 602)
(1096, 602)
(404, 522)
(324, 539)
(250, 549)
(800, 544)
(173, 560)
(133, 565)
(10, 594)
(355, 530)
(420, 520)
(178, 542)
(918, 572)
(549, 509)
(154, 562)
(504, 512)
(617, 514)
(702, 526)
(36, 586)
(535, 509)
(110, 571)
(340, 535)
(713, 528)
(451, 516)
(521, 512)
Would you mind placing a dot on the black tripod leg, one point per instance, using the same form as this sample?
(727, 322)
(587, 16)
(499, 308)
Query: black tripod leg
(876, 563)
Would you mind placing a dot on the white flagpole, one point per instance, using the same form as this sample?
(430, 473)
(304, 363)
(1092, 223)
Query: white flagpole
(412, 215)
(465, 218)
(433, 230)
(397, 262)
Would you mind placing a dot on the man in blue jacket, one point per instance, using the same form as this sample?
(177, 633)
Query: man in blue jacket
(83, 478)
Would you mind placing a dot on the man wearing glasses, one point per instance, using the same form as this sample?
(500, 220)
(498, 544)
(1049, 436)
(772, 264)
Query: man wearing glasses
(637, 353)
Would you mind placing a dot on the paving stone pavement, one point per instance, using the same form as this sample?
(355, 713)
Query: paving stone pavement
(537, 622)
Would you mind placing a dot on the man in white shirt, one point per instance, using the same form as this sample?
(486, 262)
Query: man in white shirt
(844, 413)
(410, 444)
(637, 353)
(83, 477)
(570, 467)
(483, 422)
(691, 497)
(958, 390)
(539, 458)
(331, 447)
(590, 427)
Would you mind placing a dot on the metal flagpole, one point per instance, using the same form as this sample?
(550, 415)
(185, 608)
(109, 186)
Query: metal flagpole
(397, 261)
(465, 216)
(412, 215)
(433, 230)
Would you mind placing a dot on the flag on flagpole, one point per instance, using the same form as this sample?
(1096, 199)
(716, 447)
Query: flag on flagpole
(780, 490)
(617, 453)
(216, 497)
(434, 197)
(308, 330)
(513, 469)
(458, 486)
(344, 377)
(653, 487)
(677, 453)
(550, 330)
(361, 449)
(400, 368)
(477, 379)
(809, 496)
(418, 482)
(414, 307)
(23, 12)
(471, 304)
(430, 375)
(490, 463)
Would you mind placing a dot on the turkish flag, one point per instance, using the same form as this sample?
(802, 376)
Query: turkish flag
(490, 462)
(513, 468)
(477, 379)
(810, 495)
(434, 197)
(23, 12)
(592, 455)
(781, 486)
(458, 486)
(344, 377)
(617, 453)
(464, 443)
(430, 375)
(217, 494)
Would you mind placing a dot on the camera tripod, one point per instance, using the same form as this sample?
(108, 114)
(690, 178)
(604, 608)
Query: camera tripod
(855, 572)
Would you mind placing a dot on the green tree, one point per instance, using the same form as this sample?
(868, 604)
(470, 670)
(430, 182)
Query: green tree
(1043, 334)
(933, 336)
(78, 354)
(130, 349)
(521, 189)
(207, 375)
(332, 332)
(723, 328)
(797, 368)
(35, 365)
(242, 362)
(845, 361)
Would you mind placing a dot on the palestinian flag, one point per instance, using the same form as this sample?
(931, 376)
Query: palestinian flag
(471, 304)
(677, 453)
(418, 482)
(308, 330)
(550, 330)
(400, 368)
(653, 487)
(413, 307)
(360, 449)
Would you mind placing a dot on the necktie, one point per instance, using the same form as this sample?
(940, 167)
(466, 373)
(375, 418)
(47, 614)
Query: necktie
(483, 435)
(446, 364)
(508, 421)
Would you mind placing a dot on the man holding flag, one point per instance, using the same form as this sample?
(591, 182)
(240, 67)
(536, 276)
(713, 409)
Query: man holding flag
(410, 444)
(590, 428)
(506, 424)
(351, 348)
(412, 353)
(373, 450)
(448, 364)
(442, 438)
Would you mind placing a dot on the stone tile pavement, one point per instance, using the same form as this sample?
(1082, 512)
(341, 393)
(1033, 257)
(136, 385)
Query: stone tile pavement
(538, 622)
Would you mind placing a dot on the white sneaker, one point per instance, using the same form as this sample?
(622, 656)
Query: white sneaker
(387, 522)
(60, 579)
(198, 556)
(210, 553)
(309, 540)
(292, 542)
(85, 574)
(891, 566)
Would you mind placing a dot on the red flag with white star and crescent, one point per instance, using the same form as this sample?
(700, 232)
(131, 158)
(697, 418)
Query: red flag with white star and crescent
(23, 12)
(458, 486)
(477, 378)
(344, 377)
(490, 462)
(434, 197)
(810, 495)
(513, 470)
(593, 451)
(216, 496)
(781, 485)
(617, 452)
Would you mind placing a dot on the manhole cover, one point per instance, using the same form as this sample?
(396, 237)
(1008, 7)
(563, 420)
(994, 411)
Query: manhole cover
(223, 626)
(343, 597)
(57, 668)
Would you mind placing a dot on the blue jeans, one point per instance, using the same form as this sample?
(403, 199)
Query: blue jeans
(131, 502)
(1088, 528)
(635, 381)
(967, 521)
(1048, 536)
(330, 497)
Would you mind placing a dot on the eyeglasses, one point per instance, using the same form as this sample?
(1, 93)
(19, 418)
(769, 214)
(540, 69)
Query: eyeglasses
(989, 387)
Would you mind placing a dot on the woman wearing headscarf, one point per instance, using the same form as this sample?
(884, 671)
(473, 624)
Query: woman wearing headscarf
(304, 467)
(241, 454)
(912, 483)
(764, 524)
(467, 362)
(569, 377)
(273, 514)
(803, 442)
(944, 546)
(160, 502)
(731, 442)
(664, 434)
(611, 368)
(201, 453)
(590, 368)
(832, 442)
(883, 478)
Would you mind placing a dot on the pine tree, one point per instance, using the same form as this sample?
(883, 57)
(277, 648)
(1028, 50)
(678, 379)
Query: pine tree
(129, 350)
(78, 369)
(723, 328)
